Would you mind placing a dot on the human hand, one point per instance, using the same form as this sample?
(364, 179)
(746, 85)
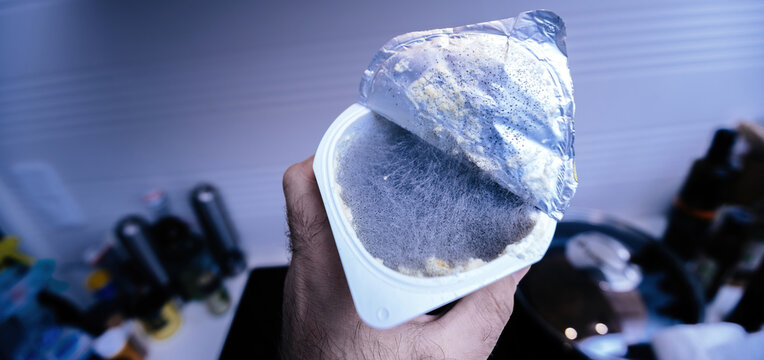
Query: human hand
(320, 320)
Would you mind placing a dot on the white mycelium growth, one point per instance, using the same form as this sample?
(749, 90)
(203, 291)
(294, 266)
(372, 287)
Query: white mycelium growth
(419, 210)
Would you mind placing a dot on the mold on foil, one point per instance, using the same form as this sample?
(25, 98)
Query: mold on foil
(497, 95)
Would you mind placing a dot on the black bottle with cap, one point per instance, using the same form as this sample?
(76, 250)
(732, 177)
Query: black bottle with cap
(193, 272)
(218, 229)
(134, 235)
(705, 189)
(152, 296)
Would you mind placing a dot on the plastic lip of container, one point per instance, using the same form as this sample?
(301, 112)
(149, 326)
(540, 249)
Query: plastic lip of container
(384, 297)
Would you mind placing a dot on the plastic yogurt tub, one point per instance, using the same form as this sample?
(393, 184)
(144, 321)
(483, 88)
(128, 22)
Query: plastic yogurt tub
(384, 297)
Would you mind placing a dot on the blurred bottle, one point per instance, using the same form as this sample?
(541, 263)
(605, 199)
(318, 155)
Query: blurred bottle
(134, 235)
(152, 294)
(158, 203)
(704, 191)
(724, 249)
(195, 275)
(218, 230)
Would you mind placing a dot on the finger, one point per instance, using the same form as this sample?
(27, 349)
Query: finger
(309, 231)
(520, 274)
(497, 298)
(480, 317)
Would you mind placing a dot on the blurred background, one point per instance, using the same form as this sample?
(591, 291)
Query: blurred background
(107, 106)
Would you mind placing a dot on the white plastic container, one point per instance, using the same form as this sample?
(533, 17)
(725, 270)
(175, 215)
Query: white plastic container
(384, 297)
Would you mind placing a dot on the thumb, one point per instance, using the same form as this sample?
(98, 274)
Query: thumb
(309, 233)
(479, 318)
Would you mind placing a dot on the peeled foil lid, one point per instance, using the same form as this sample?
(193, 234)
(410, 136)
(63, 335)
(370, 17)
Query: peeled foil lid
(497, 94)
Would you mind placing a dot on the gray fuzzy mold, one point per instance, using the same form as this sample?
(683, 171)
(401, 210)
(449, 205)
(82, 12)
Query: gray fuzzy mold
(410, 203)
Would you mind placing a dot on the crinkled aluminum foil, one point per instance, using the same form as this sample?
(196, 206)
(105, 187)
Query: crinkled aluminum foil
(496, 94)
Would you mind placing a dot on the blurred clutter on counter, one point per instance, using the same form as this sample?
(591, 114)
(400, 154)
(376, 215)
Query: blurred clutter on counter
(606, 290)
(127, 291)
